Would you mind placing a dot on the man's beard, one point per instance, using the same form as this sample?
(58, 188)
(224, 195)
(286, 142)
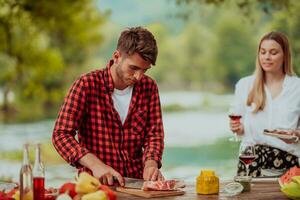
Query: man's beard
(120, 73)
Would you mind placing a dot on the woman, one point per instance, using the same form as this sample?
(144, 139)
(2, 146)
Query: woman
(269, 99)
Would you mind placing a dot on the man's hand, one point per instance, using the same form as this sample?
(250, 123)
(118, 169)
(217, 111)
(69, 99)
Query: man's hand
(151, 171)
(104, 173)
(236, 127)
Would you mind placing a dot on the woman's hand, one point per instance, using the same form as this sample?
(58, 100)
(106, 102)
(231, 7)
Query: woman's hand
(295, 139)
(236, 126)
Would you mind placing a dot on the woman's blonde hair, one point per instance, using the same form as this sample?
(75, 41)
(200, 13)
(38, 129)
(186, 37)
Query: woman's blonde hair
(257, 94)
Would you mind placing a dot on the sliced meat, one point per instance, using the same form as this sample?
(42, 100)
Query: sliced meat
(163, 185)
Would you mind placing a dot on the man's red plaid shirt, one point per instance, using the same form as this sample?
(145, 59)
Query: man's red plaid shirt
(89, 112)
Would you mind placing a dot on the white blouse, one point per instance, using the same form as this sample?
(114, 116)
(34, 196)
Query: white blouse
(282, 112)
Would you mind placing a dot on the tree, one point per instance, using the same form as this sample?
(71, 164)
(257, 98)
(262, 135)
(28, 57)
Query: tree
(288, 23)
(40, 43)
(246, 6)
(234, 50)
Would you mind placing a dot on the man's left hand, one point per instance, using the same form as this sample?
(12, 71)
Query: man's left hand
(151, 171)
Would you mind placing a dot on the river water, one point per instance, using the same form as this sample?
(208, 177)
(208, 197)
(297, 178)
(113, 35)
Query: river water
(194, 140)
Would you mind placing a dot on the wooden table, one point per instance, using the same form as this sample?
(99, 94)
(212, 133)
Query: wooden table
(259, 191)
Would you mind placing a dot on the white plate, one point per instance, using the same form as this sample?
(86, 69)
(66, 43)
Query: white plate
(6, 187)
(281, 136)
(272, 173)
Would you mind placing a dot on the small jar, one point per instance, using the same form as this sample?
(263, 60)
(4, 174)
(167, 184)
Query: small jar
(207, 182)
(245, 181)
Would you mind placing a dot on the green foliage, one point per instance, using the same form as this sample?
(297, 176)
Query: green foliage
(218, 44)
(42, 50)
(288, 23)
(40, 44)
(246, 6)
(209, 56)
(234, 50)
(49, 155)
(174, 108)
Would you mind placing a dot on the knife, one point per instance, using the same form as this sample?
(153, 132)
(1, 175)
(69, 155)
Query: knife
(133, 183)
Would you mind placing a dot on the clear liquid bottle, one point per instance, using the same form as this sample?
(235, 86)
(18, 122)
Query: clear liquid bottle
(38, 176)
(26, 186)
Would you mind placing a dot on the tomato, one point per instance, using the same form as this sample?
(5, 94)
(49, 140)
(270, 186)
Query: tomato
(68, 188)
(12, 192)
(4, 196)
(50, 197)
(110, 193)
(77, 197)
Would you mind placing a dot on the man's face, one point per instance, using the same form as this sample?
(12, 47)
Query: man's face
(130, 69)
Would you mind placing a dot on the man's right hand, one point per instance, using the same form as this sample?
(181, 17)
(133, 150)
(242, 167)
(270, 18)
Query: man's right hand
(103, 172)
(107, 174)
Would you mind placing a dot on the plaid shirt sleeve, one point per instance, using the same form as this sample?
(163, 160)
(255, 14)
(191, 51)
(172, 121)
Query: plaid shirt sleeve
(154, 141)
(67, 124)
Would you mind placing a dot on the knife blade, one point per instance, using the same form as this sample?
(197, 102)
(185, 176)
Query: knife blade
(133, 183)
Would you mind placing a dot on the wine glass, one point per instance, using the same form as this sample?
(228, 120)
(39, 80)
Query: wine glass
(234, 114)
(247, 155)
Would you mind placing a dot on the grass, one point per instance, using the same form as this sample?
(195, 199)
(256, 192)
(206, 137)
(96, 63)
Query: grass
(49, 155)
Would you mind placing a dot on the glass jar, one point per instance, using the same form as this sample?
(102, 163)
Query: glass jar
(245, 181)
(207, 182)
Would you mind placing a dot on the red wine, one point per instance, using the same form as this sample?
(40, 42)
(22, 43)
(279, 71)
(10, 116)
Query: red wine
(247, 159)
(39, 188)
(235, 117)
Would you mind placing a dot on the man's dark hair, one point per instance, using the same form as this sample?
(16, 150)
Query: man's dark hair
(138, 40)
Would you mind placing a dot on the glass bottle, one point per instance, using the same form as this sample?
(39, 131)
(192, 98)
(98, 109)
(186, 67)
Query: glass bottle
(26, 176)
(38, 176)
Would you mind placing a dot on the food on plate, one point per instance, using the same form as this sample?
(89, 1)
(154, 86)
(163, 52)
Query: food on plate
(63, 197)
(111, 195)
(276, 131)
(12, 192)
(86, 183)
(28, 195)
(283, 134)
(68, 188)
(51, 193)
(85, 188)
(4, 196)
(77, 197)
(99, 195)
(165, 185)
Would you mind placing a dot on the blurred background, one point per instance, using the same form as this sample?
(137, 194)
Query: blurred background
(205, 47)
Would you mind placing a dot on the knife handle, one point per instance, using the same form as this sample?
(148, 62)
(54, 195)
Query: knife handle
(116, 182)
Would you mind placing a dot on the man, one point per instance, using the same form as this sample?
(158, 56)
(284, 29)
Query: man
(116, 115)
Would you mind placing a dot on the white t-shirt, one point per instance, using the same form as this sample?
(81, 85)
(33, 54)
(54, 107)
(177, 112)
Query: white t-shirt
(121, 99)
(282, 112)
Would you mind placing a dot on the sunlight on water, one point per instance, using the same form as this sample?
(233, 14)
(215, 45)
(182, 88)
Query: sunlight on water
(194, 128)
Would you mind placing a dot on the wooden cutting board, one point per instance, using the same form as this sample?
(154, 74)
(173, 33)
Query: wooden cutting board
(149, 194)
